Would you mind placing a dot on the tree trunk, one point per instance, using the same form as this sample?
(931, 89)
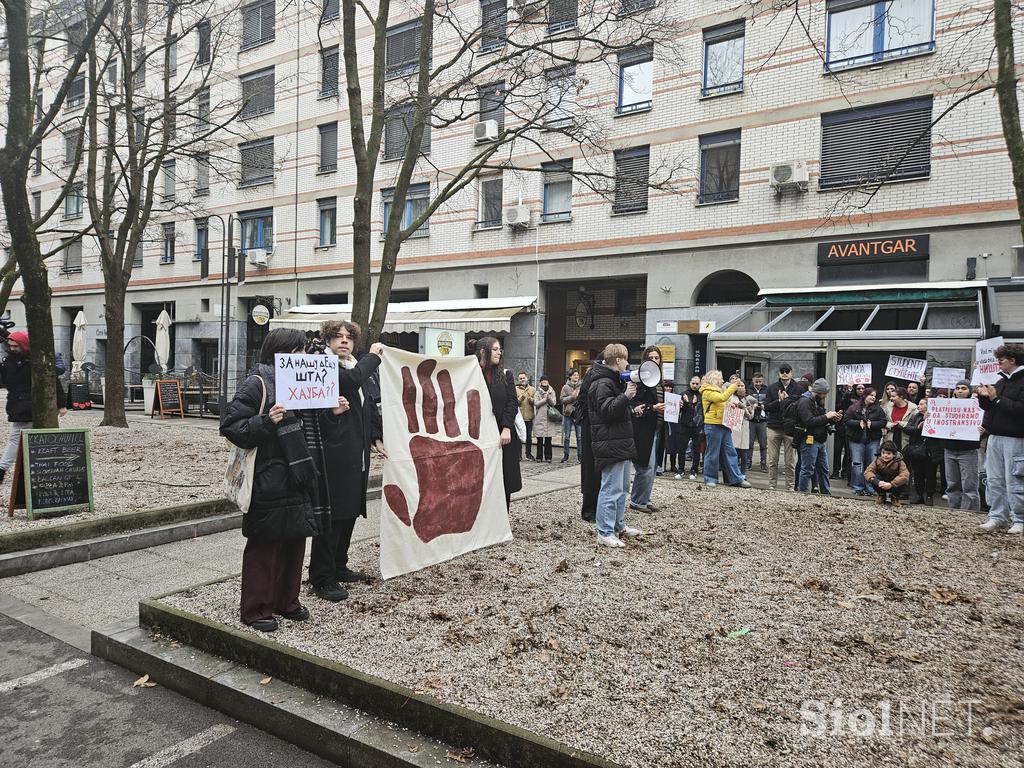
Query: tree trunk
(1009, 110)
(9, 275)
(113, 314)
(361, 278)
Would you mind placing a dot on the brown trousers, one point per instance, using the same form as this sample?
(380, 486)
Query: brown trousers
(271, 577)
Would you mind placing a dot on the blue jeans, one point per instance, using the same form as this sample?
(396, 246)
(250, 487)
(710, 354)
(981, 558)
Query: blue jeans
(567, 427)
(611, 501)
(1004, 459)
(814, 464)
(720, 445)
(643, 480)
(861, 456)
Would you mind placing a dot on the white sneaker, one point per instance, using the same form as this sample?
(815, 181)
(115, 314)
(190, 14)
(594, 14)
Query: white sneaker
(990, 526)
(609, 541)
(1017, 528)
(631, 533)
(679, 477)
(693, 476)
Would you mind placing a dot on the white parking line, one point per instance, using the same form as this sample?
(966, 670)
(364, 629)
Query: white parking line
(42, 674)
(185, 748)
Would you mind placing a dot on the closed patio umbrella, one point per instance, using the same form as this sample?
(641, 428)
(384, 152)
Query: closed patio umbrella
(163, 340)
(78, 342)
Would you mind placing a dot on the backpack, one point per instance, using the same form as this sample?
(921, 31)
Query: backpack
(787, 412)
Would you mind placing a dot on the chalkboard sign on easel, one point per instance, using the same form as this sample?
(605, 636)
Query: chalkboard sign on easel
(53, 473)
(168, 398)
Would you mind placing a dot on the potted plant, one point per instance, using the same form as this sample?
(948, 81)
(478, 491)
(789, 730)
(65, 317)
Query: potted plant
(148, 391)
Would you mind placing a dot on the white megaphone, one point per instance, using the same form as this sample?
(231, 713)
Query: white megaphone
(649, 374)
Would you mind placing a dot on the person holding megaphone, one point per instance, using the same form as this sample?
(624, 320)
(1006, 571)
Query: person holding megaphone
(714, 397)
(647, 407)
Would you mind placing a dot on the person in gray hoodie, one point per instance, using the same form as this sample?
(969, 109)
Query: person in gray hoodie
(961, 458)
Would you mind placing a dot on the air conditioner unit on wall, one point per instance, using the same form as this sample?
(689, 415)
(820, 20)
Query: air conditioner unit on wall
(485, 131)
(258, 257)
(518, 217)
(791, 174)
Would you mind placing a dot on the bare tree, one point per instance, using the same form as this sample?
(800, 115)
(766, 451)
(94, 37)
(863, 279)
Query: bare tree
(527, 61)
(1006, 91)
(151, 114)
(24, 132)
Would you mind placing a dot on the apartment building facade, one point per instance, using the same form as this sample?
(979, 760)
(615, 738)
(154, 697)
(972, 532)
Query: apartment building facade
(772, 134)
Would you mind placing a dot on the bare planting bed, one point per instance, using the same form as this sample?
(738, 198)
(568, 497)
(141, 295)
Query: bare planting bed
(729, 635)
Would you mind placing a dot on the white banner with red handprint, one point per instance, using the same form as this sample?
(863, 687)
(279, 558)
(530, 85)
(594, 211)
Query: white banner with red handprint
(952, 418)
(443, 489)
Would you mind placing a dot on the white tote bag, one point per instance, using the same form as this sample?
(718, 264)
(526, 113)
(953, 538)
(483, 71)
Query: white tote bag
(242, 466)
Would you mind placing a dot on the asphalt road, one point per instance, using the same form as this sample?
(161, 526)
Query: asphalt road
(60, 706)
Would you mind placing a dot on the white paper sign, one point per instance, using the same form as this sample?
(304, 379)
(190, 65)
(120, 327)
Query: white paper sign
(672, 401)
(946, 378)
(668, 371)
(733, 416)
(443, 489)
(856, 373)
(986, 367)
(906, 368)
(306, 381)
(953, 418)
(666, 326)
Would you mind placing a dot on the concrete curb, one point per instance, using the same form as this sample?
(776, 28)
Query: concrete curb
(493, 740)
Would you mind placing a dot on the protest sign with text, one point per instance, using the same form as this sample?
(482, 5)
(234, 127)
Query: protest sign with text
(946, 378)
(906, 368)
(306, 381)
(953, 418)
(986, 367)
(672, 407)
(857, 373)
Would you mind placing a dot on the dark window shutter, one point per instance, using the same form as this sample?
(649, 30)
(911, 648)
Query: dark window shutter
(203, 54)
(888, 142)
(257, 160)
(329, 147)
(258, 93)
(398, 129)
(402, 49)
(329, 72)
(494, 23)
(562, 14)
(638, 55)
(492, 103)
(632, 175)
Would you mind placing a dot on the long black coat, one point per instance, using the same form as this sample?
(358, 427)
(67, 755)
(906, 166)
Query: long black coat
(278, 511)
(16, 376)
(349, 437)
(645, 427)
(504, 406)
(611, 424)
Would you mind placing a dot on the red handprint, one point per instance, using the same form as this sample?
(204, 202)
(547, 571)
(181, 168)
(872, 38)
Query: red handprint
(450, 474)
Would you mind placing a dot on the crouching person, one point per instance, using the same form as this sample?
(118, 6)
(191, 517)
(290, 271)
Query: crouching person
(289, 496)
(887, 474)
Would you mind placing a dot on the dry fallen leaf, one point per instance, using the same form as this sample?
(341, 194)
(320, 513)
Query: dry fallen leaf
(544, 657)
(845, 604)
(553, 643)
(266, 681)
(144, 682)
(759, 705)
(463, 755)
(414, 748)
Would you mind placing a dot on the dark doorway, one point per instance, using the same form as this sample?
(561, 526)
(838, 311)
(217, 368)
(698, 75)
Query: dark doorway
(147, 352)
(728, 287)
(879, 360)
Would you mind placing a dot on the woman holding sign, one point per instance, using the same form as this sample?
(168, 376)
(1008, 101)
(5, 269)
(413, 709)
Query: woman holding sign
(961, 458)
(289, 496)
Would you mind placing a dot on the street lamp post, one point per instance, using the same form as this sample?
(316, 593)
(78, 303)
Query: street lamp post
(227, 271)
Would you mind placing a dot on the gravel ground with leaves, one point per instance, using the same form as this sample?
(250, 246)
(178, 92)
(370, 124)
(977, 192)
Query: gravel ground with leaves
(719, 638)
(153, 463)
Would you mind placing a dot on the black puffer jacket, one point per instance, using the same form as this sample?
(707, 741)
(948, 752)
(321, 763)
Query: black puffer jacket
(810, 415)
(16, 377)
(1004, 415)
(855, 414)
(278, 511)
(611, 422)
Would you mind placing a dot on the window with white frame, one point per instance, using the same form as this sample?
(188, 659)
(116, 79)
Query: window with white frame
(723, 59)
(167, 255)
(557, 191)
(170, 179)
(887, 142)
(139, 72)
(329, 71)
(202, 238)
(398, 125)
(71, 141)
(327, 211)
(203, 43)
(489, 202)
(492, 103)
(560, 95)
(257, 161)
(416, 201)
(203, 173)
(137, 259)
(37, 160)
(868, 31)
(636, 79)
(493, 24)
(76, 93)
(73, 203)
(632, 179)
(76, 37)
(719, 167)
(257, 23)
(257, 92)
(257, 229)
(72, 256)
(562, 15)
(328, 147)
(37, 205)
(402, 49)
(203, 110)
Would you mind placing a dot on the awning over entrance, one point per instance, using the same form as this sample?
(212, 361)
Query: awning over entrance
(471, 315)
(872, 317)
